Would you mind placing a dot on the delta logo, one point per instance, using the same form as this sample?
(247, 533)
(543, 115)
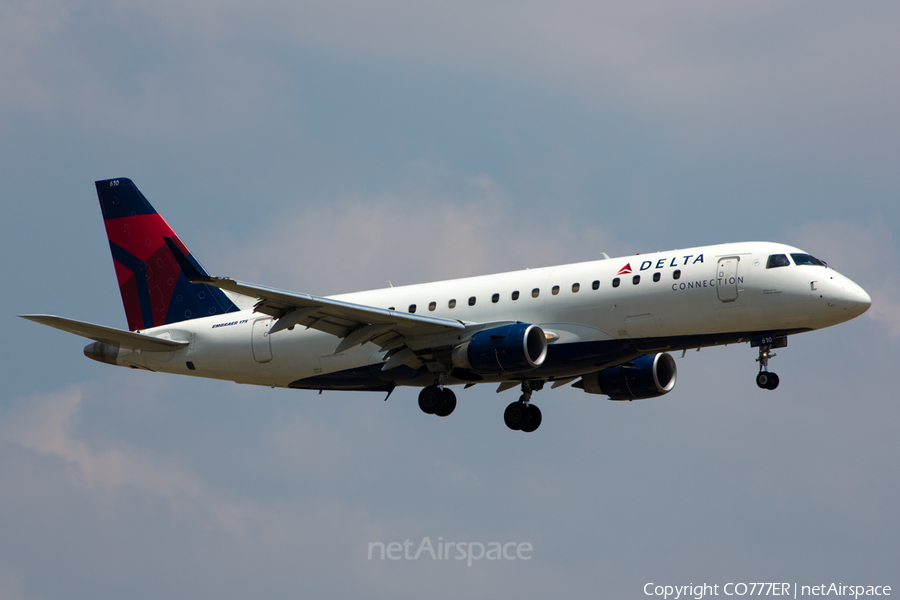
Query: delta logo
(661, 263)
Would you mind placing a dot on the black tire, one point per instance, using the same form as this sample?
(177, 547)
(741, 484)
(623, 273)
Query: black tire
(773, 381)
(516, 415)
(448, 405)
(534, 419)
(764, 379)
(430, 399)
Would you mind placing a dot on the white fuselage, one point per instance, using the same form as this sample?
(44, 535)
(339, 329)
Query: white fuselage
(683, 299)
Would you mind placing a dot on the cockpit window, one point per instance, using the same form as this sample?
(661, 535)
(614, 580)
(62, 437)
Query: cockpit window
(777, 260)
(806, 259)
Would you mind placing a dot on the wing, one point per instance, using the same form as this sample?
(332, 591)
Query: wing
(108, 335)
(407, 338)
(355, 323)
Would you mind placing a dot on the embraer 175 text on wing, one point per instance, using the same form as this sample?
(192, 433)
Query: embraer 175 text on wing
(606, 324)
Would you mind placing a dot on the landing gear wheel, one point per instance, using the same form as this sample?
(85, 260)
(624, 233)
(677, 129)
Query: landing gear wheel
(448, 405)
(431, 399)
(766, 380)
(516, 416)
(534, 419)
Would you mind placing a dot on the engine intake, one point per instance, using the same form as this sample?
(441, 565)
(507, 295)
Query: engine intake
(649, 376)
(507, 349)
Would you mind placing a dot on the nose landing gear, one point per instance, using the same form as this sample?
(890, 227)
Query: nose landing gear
(764, 379)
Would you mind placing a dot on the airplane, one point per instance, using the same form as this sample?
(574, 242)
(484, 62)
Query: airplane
(606, 326)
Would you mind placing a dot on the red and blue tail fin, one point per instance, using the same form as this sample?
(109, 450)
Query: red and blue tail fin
(155, 289)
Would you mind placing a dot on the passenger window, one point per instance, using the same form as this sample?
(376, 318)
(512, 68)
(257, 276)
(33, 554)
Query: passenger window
(636, 279)
(495, 298)
(412, 308)
(535, 292)
(432, 305)
(616, 282)
(576, 287)
(777, 260)
(452, 304)
(471, 300)
(515, 295)
(656, 276)
(595, 285)
(676, 274)
(555, 290)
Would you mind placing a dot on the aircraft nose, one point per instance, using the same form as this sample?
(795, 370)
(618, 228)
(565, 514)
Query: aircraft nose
(845, 300)
(858, 301)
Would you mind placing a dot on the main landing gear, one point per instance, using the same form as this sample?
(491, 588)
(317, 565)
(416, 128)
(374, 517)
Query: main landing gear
(522, 415)
(434, 400)
(519, 416)
(764, 379)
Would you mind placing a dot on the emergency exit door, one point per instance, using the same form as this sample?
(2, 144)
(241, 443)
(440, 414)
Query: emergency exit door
(262, 345)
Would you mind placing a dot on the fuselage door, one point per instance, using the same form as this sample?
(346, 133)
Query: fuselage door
(726, 278)
(262, 345)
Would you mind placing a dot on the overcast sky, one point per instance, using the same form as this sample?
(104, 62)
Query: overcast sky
(328, 147)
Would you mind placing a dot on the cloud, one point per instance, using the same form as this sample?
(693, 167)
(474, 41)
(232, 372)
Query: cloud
(104, 495)
(703, 75)
(132, 510)
(47, 425)
(438, 225)
(130, 69)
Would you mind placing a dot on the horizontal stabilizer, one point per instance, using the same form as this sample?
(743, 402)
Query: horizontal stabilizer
(108, 335)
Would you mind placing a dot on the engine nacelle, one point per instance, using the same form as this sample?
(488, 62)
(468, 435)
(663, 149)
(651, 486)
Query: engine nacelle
(104, 353)
(507, 349)
(649, 376)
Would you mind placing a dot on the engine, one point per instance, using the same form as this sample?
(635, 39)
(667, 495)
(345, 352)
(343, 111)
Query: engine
(649, 376)
(104, 353)
(507, 349)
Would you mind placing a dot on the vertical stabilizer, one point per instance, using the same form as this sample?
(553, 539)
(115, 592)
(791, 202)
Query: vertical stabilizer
(155, 290)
